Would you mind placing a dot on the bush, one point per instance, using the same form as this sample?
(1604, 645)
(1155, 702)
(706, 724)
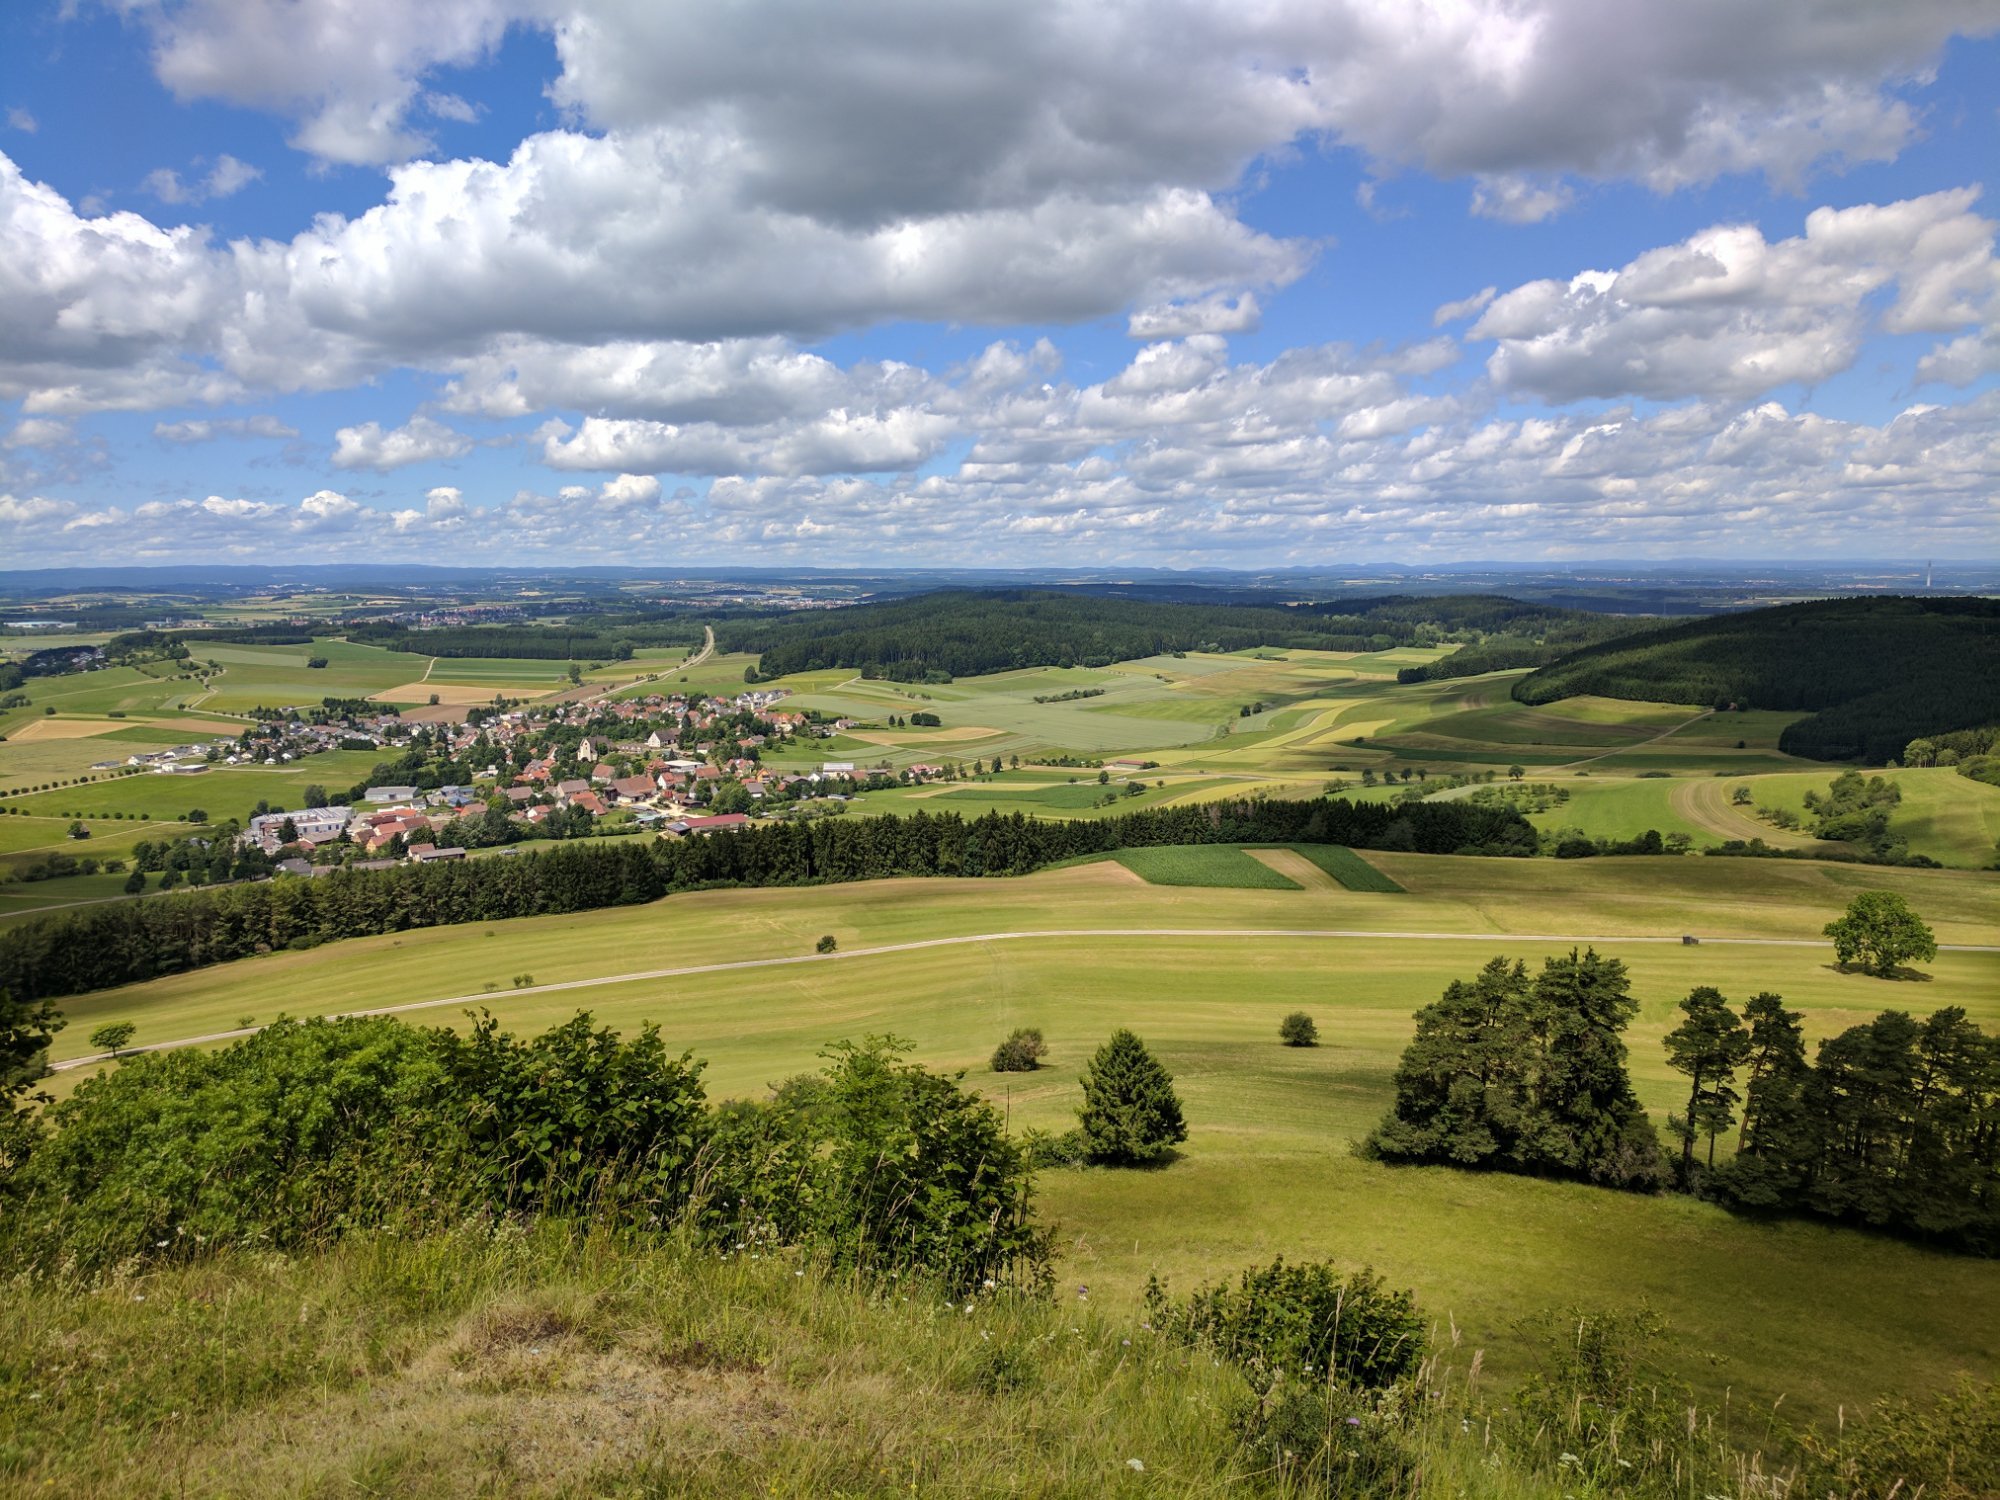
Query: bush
(1298, 1030)
(1308, 1321)
(1948, 1447)
(305, 1131)
(1022, 1052)
(1130, 1112)
(883, 1165)
(826, 943)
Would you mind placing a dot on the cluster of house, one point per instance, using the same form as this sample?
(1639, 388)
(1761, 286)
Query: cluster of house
(180, 760)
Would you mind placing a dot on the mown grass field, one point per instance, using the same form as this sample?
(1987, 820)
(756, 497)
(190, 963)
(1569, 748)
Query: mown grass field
(1268, 1168)
(1215, 865)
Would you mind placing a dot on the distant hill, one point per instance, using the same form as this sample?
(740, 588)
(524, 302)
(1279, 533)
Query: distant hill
(963, 632)
(1873, 673)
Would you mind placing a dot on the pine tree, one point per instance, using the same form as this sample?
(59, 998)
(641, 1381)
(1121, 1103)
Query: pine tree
(1774, 1151)
(1587, 1121)
(1130, 1113)
(1462, 1085)
(1709, 1046)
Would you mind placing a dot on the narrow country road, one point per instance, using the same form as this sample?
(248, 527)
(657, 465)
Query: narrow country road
(487, 997)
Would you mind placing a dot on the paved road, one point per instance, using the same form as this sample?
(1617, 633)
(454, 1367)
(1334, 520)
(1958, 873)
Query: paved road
(636, 976)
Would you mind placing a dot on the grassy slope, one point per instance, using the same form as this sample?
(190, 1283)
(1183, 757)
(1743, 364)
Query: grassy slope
(1267, 1169)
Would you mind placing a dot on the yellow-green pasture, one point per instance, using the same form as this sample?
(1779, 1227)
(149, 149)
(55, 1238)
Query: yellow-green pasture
(1205, 975)
(1944, 816)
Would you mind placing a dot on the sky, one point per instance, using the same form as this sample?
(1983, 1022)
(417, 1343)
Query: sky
(1031, 283)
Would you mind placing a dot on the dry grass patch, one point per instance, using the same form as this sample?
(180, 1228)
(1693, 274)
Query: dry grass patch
(1296, 867)
(467, 693)
(68, 729)
(956, 734)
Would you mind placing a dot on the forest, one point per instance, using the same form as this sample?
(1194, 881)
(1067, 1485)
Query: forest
(1872, 673)
(585, 638)
(126, 942)
(959, 633)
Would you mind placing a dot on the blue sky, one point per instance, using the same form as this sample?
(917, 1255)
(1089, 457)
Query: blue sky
(1311, 282)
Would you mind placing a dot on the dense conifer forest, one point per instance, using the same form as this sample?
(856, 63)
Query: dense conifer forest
(601, 638)
(957, 633)
(1874, 672)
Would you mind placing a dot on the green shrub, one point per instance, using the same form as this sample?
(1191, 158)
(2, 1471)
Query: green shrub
(1022, 1052)
(1947, 1448)
(883, 1165)
(1298, 1030)
(1305, 1321)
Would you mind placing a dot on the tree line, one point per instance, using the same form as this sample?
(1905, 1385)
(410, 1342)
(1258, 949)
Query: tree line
(1873, 672)
(128, 942)
(594, 638)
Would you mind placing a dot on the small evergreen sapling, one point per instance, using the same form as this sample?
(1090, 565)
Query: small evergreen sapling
(1130, 1114)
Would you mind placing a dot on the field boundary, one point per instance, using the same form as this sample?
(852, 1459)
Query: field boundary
(1264, 935)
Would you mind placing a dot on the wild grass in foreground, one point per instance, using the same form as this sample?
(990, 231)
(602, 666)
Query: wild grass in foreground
(556, 1360)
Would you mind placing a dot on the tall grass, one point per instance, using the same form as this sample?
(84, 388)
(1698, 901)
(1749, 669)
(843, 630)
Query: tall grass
(568, 1360)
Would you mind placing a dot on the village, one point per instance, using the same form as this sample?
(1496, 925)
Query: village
(667, 765)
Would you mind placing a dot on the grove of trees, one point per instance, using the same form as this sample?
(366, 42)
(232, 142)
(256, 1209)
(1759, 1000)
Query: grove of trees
(1525, 1074)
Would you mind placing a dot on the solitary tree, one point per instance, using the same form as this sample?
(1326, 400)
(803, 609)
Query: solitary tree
(1130, 1113)
(826, 943)
(1515, 773)
(1709, 1046)
(135, 882)
(112, 1038)
(1022, 1052)
(1879, 933)
(1298, 1030)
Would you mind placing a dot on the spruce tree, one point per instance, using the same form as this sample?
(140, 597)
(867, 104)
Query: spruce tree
(1586, 1121)
(1462, 1085)
(1130, 1113)
(1774, 1149)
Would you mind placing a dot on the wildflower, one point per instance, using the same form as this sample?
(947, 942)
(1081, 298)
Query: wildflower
(1354, 1421)
(989, 1283)
(1135, 1465)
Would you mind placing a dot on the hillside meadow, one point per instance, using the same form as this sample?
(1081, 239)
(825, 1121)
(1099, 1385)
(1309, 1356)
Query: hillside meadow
(1205, 977)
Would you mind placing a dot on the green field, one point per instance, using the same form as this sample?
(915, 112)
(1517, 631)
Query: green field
(1219, 865)
(1944, 816)
(1267, 1169)
(221, 791)
(1348, 868)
